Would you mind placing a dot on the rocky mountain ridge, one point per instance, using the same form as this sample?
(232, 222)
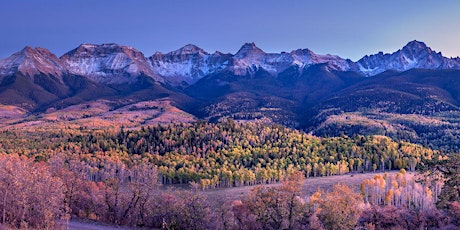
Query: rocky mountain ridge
(415, 55)
(117, 64)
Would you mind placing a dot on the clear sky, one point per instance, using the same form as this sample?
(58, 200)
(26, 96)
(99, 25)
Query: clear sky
(348, 28)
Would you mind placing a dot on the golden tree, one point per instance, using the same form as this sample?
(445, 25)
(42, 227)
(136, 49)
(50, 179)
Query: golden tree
(338, 209)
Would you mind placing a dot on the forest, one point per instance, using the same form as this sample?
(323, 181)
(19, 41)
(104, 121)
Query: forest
(119, 176)
(221, 155)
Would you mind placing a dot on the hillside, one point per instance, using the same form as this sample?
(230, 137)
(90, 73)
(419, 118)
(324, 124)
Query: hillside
(420, 106)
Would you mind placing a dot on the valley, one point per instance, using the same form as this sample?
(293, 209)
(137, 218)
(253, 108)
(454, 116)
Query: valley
(230, 115)
(109, 134)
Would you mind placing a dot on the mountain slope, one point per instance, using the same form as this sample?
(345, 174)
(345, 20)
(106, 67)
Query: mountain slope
(32, 77)
(281, 99)
(421, 106)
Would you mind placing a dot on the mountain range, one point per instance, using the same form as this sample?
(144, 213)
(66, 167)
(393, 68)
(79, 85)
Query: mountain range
(394, 94)
(117, 64)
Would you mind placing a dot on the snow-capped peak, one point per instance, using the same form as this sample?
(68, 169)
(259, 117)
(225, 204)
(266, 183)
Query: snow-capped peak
(32, 61)
(108, 63)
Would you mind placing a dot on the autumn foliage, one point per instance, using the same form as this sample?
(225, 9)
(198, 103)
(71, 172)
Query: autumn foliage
(45, 195)
(30, 196)
(338, 209)
(226, 154)
(118, 177)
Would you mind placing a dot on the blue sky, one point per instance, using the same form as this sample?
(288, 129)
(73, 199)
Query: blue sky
(350, 28)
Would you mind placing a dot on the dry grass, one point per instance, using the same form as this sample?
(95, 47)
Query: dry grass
(311, 185)
(100, 114)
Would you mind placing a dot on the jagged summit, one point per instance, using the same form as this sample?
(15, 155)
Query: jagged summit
(248, 49)
(416, 49)
(415, 43)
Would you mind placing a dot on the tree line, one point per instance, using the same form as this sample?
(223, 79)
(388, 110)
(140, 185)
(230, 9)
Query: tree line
(236, 154)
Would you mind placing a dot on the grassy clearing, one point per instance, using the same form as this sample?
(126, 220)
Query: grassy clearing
(311, 185)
